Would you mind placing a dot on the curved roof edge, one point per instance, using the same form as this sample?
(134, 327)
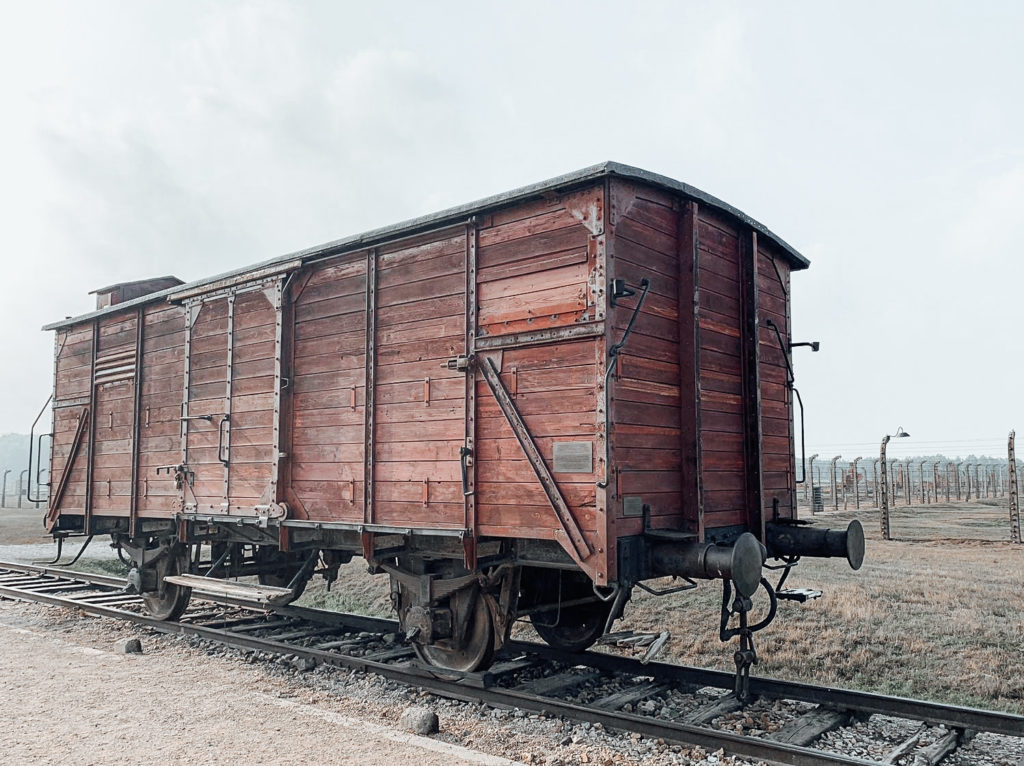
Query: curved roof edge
(452, 215)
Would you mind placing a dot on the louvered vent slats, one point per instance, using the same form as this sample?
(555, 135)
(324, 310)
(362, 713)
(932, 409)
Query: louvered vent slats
(116, 366)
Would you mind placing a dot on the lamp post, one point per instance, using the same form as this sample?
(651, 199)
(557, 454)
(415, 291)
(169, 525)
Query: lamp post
(856, 482)
(957, 477)
(874, 480)
(3, 492)
(900, 433)
(967, 475)
(922, 481)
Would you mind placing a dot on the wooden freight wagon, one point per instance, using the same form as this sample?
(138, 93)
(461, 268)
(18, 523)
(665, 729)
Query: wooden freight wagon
(521, 406)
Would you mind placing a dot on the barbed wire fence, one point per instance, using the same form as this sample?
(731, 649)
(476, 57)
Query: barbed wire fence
(836, 482)
(14, 488)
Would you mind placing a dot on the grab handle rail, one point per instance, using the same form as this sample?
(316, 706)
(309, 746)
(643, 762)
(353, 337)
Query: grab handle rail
(31, 444)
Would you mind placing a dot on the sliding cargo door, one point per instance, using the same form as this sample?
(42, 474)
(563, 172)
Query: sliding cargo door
(376, 416)
(327, 393)
(421, 391)
(229, 427)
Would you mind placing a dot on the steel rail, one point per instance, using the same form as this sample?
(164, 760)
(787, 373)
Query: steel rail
(474, 687)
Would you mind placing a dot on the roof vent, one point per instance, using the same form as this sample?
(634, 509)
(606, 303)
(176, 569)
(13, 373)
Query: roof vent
(126, 291)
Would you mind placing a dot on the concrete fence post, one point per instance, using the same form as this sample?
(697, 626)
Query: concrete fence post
(1011, 464)
(835, 491)
(809, 483)
(856, 482)
(884, 492)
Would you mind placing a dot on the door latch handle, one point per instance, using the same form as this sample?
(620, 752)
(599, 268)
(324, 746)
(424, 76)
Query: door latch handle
(465, 453)
(226, 420)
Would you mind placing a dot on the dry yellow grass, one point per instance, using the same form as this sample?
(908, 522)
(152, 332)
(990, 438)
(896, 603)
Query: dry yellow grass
(935, 619)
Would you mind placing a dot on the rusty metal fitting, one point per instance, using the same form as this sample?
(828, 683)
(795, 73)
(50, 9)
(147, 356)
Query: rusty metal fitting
(740, 562)
(796, 540)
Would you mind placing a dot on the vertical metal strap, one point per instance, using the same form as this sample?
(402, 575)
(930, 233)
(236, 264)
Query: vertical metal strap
(791, 470)
(91, 445)
(1014, 496)
(133, 507)
(602, 243)
(227, 402)
(58, 348)
(751, 365)
(369, 382)
(469, 493)
(275, 452)
(688, 297)
(192, 309)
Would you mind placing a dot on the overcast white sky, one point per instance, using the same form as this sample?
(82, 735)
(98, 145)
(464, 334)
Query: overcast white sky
(883, 140)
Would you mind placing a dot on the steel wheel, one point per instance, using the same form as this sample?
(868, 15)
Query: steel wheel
(475, 651)
(573, 628)
(577, 629)
(169, 601)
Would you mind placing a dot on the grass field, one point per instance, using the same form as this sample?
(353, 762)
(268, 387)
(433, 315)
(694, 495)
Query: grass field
(936, 613)
(940, 619)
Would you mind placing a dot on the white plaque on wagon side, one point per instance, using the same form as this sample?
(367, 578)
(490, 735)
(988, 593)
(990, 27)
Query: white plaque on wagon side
(574, 457)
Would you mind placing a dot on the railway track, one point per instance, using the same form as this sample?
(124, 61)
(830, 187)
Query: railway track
(789, 723)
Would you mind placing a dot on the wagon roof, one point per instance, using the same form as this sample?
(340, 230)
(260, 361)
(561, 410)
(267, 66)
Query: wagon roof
(453, 215)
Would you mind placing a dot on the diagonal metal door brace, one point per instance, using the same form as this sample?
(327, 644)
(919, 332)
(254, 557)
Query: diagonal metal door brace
(533, 456)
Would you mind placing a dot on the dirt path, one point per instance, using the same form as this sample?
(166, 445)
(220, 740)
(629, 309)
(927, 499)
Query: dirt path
(70, 698)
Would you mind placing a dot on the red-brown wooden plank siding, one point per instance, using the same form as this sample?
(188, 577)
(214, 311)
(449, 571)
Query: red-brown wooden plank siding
(251, 445)
(535, 269)
(327, 393)
(645, 410)
(209, 354)
(112, 426)
(162, 380)
(719, 317)
(555, 410)
(72, 386)
(419, 404)
(778, 455)
(533, 264)
(232, 368)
